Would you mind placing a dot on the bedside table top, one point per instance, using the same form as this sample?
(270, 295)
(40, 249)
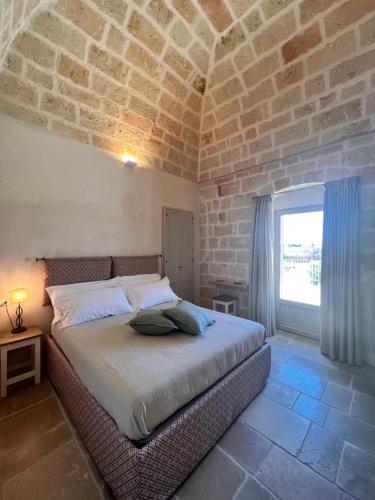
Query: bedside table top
(225, 298)
(9, 338)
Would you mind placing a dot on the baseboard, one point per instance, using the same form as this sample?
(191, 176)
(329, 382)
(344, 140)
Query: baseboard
(297, 331)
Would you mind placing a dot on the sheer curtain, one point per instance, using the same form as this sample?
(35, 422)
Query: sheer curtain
(340, 336)
(261, 297)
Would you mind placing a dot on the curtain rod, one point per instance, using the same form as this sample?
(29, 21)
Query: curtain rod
(290, 191)
(293, 190)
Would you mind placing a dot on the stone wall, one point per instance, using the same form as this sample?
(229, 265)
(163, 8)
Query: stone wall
(290, 102)
(14, 15)
(127, 76)
(289, 76)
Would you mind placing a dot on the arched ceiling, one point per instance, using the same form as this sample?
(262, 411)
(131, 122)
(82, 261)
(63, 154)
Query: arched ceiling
(146, 77)
(127, 76)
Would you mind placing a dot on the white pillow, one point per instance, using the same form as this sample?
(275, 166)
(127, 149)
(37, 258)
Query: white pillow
(150, 294)
(58, 290)
(87, 305)
(138, 279)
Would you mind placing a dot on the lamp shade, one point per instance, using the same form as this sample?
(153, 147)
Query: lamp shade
(18, 295)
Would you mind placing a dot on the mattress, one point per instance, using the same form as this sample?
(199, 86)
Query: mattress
(141, 380)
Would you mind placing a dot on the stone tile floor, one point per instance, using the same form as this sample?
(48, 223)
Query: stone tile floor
(309, 435)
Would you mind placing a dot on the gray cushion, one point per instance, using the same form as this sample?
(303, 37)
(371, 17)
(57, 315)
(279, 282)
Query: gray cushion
(189, 318)
(152, 322)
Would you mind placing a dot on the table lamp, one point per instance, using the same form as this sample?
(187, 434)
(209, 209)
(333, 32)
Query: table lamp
(19, 296)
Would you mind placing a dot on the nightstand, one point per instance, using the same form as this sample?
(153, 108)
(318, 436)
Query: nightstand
(10, 342)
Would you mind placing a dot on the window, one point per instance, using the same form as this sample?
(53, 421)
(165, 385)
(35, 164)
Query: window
(300, 256)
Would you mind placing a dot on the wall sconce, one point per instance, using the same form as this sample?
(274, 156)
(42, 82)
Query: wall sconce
(18, 296)
(129, 161)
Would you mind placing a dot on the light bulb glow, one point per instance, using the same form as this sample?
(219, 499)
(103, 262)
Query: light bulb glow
(18, 295)
(129, 160)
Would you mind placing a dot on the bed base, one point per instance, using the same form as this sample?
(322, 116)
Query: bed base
(157, 469)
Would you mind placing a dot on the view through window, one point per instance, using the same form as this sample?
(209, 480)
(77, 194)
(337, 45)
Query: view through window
(301, 252)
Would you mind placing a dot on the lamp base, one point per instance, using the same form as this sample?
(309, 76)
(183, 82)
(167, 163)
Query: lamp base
(20, 329)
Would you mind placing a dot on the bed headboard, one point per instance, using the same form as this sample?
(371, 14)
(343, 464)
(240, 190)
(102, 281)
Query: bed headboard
(62, 271)
(129, 266)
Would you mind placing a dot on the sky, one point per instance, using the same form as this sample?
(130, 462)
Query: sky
(303, 228)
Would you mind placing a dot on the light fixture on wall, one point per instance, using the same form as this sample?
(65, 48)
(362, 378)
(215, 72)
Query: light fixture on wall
(129, 161)
(18, 296)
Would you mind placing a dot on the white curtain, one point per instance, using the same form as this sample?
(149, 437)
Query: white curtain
(261, 296)
(340, 336)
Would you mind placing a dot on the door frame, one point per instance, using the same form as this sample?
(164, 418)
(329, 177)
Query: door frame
(308, 308)
(164, 240)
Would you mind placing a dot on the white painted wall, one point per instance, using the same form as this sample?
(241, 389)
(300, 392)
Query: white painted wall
(59, 197)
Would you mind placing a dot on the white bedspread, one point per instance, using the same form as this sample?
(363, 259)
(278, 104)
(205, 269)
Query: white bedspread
(142, 380)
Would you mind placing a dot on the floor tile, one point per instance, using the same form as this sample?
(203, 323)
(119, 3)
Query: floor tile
(22, 397)
(323, 371)
(35, 449)
(364, 384)
(216, 478)
(287, 335)
(357, 473)
(280, 355)
(17, 430)
(246, 446)
(364, 408)
(254, 490)
(278, 341)
(301, 341)
(311, 408)
(338, 396)
(284, 427)
(282, 394)
(297, 379)
(60, 475)
(321, 450)
(310, 350)
(365, 371)
(289, 479)
(352, 430)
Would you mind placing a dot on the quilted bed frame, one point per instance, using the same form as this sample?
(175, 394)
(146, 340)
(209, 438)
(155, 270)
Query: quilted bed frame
(157, 469)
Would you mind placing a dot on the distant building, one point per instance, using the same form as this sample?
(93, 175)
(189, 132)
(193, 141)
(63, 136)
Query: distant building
(301, 253)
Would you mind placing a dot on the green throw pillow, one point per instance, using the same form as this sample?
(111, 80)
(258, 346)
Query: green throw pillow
(189, 318)
(152, 322)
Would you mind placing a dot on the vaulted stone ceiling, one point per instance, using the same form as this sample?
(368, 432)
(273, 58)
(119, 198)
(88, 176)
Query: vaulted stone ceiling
(127, 76)
(175, 82)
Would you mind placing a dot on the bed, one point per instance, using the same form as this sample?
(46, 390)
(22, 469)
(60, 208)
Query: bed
(149, 409)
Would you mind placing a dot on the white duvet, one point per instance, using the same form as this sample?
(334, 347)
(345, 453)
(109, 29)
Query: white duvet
(142, 380)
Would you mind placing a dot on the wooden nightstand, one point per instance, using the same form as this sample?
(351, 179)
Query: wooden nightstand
(10, 342)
